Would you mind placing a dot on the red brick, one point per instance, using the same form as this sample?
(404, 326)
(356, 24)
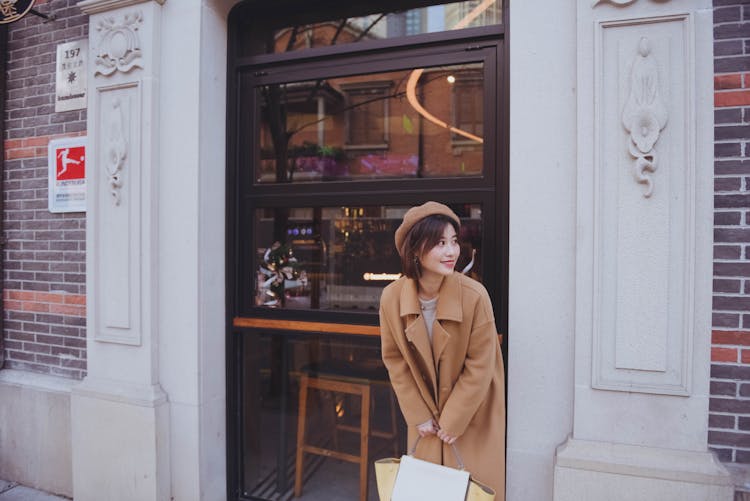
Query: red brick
(20, 153)
(78, 311)
(12, 144)
(40, 141)
(13, 305)
(22, 295)
(739, 338)
(34, 146)
(745, 357)
(723, 354)
(75, 299)
(49, 297)
(732, 98)
(733, 81)
(34, 306)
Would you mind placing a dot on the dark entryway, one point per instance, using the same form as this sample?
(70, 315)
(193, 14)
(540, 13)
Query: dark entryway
(340, 119)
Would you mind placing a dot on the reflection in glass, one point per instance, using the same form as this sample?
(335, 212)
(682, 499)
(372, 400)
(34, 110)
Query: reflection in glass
(339, 258)
(414, 123)
(385, 25)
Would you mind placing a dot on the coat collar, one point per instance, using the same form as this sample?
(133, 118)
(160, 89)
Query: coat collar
(448, 306)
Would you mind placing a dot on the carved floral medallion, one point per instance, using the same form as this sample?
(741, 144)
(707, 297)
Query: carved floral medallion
(119, 47)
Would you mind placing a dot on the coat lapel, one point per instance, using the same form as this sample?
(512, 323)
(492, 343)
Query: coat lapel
(449, 309)
(416, 333)
(440, 338)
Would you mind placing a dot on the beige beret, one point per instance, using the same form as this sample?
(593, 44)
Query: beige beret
(416, 214)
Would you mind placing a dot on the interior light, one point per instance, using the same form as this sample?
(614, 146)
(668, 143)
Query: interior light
(411, 97)
(451, 79)
(388, 277)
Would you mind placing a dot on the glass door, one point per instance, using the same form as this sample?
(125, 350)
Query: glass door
(337, 125)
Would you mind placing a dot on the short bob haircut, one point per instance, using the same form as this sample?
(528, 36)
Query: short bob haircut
(422, 237)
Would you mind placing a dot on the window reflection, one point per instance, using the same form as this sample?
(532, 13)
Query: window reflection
(386, 25)
(366, 116)
(339, 258)
(414, 123)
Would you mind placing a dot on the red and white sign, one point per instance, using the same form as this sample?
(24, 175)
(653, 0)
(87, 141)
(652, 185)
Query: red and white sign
(67, 175)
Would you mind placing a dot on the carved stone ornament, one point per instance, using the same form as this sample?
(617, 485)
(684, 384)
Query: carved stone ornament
(616, 2)
(117, 151)
(119, 45)
(621, 2)
(644, 115)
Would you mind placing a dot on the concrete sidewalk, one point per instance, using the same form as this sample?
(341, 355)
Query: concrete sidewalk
(10, 491)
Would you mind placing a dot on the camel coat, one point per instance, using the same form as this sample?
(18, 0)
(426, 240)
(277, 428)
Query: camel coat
(458, 380)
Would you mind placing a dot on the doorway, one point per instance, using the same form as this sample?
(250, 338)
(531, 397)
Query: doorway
(340, 119)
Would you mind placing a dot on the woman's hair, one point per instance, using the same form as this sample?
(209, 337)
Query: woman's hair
(421, 238)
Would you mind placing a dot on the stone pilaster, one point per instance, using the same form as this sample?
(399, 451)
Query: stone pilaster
(643, 257)
(120, 413)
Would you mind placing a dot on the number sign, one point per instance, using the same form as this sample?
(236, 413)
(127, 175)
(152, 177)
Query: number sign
(70, 85)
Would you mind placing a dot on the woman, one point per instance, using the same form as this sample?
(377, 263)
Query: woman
(441, 350)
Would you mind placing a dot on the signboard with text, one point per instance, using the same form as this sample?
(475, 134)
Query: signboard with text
(67, 175)
(13, 10)
(70, 76)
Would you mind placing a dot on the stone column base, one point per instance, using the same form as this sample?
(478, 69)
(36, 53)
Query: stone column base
(35, 447)
(587, 470)
(120, 442)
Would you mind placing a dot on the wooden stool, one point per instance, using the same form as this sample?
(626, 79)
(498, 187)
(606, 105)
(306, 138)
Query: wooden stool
(351, 388)
(391, 434)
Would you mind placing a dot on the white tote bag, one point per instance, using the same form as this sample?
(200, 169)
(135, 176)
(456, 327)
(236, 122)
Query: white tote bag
(417, 479)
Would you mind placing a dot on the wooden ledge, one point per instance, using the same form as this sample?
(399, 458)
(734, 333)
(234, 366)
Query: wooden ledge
(322, 327)
(304, 326)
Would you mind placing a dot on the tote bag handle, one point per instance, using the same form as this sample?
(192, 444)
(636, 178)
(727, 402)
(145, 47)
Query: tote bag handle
(453, 446)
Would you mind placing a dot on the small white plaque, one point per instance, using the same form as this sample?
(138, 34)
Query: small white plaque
(70, 85)
(67, 174)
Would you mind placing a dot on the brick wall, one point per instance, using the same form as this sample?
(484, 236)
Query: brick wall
(729, 418)
(44, 257)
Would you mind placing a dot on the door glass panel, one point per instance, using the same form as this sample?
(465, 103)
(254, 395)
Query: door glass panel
(385, 25)
(418, 123)
(274, 410)
(339, 258)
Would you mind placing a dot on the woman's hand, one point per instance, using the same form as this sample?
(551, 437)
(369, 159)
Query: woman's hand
(445, 437)
(427, 428)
